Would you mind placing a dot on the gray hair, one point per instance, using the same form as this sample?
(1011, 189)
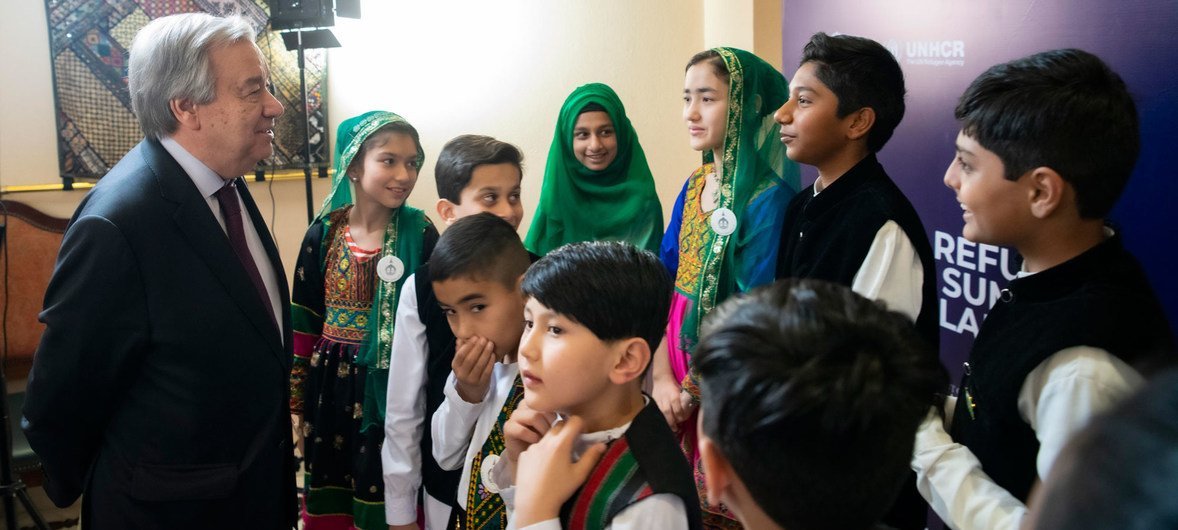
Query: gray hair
(170, 59)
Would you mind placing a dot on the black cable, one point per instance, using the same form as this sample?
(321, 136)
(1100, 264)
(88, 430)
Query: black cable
(4, 245)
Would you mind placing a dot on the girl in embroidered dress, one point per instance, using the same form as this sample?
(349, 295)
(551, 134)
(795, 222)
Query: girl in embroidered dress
(350, 269)
(726, 223)
(597, 184)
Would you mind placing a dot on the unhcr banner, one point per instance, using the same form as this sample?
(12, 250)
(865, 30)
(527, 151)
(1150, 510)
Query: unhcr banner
(942, 45)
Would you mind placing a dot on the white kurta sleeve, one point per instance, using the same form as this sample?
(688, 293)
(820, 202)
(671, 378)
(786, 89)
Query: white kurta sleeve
(892, 272)
(404, 411)
(453, 426)
(950, 477)
(1061, 395)
(1057, 398)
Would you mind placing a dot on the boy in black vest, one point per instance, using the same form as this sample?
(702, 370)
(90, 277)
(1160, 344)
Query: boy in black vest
(476, 270)
(811, 399)
(474, 174)
(1047, 143)
(855, 227)
(594, 313)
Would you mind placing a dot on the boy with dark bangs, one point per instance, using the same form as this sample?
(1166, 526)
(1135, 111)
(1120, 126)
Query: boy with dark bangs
(594, 313)
(1047, 143)
(855, 227)
(476, 270)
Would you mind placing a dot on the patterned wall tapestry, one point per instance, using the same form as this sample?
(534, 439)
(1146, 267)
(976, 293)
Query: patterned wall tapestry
(89, 46)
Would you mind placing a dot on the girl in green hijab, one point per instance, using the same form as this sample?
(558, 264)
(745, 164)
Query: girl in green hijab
(351, 265)
(597, 185)
(726, 223)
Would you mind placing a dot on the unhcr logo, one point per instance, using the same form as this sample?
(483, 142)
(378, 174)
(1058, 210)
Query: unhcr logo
(927, 52)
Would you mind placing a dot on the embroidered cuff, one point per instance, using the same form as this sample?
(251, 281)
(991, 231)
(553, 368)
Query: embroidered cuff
(690, 385)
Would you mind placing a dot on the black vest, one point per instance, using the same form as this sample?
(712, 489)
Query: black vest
(1101, 299)
(439, 340)
(827, 236)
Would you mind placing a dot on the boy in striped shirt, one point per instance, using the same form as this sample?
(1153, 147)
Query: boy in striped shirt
(594, 313)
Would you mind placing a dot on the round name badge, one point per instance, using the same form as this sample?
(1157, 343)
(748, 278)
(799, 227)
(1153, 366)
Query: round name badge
(486, 470)
(723, 221)
(390, 268)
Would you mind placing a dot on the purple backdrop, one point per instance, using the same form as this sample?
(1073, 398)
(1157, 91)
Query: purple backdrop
(942, 45)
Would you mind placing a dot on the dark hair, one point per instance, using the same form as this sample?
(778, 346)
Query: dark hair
(592, 106)
(861, 73)
(482, 247)
(615, 289)
(713, 58)
(379, 137)
(814, 394)
(1063, 109)
(1121, 471)
(460, 156)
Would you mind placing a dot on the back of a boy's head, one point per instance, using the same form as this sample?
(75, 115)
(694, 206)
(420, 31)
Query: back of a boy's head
(460, 156)
(861, 73)
(1121, 470)
(814, 394)
(1062, 109)
(479, 247)
(615, 289)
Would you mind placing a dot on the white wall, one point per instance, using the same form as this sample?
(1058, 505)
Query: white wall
(729, 23)
(504, 68)
(28, 153)
(450, 67)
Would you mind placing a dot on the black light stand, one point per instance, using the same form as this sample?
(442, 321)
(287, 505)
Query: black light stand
(303, 24)
(11, 487)
(303, 39)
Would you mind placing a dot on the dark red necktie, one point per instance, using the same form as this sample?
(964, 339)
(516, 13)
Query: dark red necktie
(231, 209)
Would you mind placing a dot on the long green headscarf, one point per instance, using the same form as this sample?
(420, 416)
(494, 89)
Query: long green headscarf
(579, 204)
(402, 238)
(756, 183)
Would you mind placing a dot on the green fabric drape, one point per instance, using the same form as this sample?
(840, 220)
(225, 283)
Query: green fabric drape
(756, 183)
(403, 238)
(579, 204)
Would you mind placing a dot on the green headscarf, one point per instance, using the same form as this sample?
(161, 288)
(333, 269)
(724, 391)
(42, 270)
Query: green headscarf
(349, 138)
(579, 204)
(757, 182)
(402, 238)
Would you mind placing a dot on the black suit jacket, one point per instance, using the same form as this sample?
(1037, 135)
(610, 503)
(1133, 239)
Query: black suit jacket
(160, 387)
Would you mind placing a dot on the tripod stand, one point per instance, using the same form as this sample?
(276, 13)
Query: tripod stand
(11, 487)
(307, 39)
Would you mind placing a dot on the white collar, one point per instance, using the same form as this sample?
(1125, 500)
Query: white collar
(587, 439)
(206, 180)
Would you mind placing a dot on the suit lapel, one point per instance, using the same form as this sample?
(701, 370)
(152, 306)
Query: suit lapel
(195, 220)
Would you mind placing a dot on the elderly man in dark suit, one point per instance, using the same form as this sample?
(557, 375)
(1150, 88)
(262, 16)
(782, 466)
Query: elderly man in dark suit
(160, 388)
